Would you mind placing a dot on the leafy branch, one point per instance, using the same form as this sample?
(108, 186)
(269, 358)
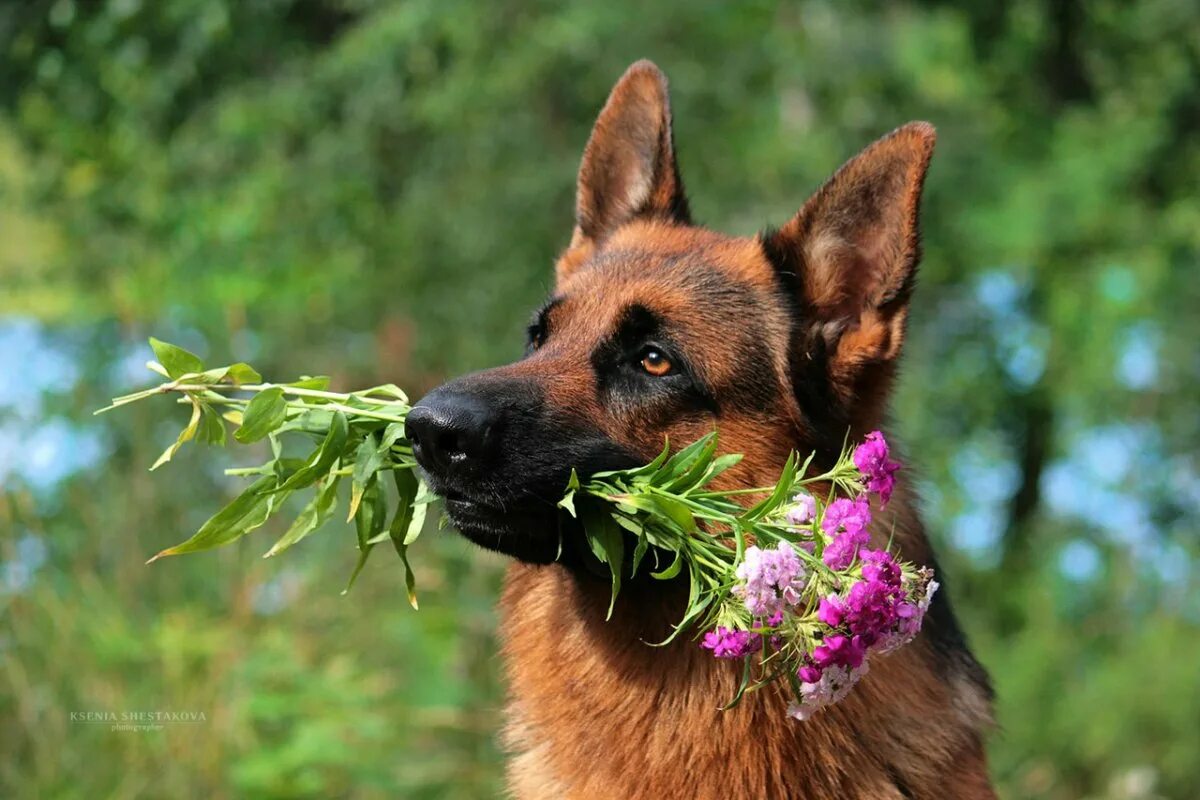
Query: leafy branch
(357, 436)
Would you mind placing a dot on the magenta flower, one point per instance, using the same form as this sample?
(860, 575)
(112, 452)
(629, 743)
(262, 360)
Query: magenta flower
(880, 566)
(872, 459)
(839, 651)
(840, 553)
(831, 611)
(809, 673)
(852, 518)
(727, 643)
(870, 610)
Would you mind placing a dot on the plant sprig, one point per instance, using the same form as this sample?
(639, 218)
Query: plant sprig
(354, 436)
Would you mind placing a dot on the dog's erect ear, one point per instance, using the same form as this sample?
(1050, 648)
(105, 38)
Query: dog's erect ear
(850, 257)
(628, 170)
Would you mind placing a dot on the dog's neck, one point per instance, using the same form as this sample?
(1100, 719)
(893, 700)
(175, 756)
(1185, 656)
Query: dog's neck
(596, 712)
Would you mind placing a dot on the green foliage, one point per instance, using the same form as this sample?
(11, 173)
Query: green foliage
(381, 186)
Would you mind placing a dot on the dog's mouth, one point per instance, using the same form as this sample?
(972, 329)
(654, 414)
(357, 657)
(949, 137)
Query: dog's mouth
(525, 526)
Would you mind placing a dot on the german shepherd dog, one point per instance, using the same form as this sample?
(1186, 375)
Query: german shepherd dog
(660, 328)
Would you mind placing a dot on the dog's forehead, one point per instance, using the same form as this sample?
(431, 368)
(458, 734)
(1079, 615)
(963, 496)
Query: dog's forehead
(680, 274)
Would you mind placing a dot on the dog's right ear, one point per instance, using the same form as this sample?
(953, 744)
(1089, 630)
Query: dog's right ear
(628, 170)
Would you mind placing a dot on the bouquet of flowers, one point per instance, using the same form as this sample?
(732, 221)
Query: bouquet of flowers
(788, 585)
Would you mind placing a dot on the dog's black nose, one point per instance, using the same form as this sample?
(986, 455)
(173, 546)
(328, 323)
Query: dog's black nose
(449, 429)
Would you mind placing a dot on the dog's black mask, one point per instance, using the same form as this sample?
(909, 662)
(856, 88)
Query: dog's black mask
(501, 457)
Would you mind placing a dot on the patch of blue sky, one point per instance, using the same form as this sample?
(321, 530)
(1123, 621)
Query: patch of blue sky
(1137, 363)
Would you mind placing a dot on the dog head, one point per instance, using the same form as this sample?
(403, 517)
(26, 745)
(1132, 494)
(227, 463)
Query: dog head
(660, 328)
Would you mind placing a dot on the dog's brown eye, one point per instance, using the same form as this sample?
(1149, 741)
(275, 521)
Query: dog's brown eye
(655, 363)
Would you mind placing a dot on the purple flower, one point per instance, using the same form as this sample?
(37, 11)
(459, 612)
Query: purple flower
(871, 458)
(804, 509)
(839, 651)
(772, 579)
(727, 643)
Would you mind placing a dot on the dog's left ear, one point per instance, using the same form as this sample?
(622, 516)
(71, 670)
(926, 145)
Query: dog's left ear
(850, 258)
(628, 170)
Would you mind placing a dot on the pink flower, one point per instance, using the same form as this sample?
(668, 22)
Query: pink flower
(727, 643)
(772, 579)
(833, 684)
(803, 511)
(871, 458)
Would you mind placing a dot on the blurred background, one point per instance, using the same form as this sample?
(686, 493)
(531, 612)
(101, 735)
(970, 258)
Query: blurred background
(376, 190)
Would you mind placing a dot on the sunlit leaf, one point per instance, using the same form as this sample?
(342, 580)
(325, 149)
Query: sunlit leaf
(174, 359)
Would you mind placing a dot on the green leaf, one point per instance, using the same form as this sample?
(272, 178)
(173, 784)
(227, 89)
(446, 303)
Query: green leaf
(370, 520)
(679, 463)
(607, 544)
(184, 436)
(407, 488)
(242, 372)
(368, 458)
(319, 462)
(209, 376)
(410, 578)
(676, 512)
(741, 690)
(779, 495)
(699, 467)
(639, 552)
(640, 471)
(248, 510)
(719, 465)
(212, 428)
(265, 412)
(568, 501)
(393, 433)
(387, 390)
(314, 515)
(672, 570)
(175, 359)
(419, 512)
(317, 383)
